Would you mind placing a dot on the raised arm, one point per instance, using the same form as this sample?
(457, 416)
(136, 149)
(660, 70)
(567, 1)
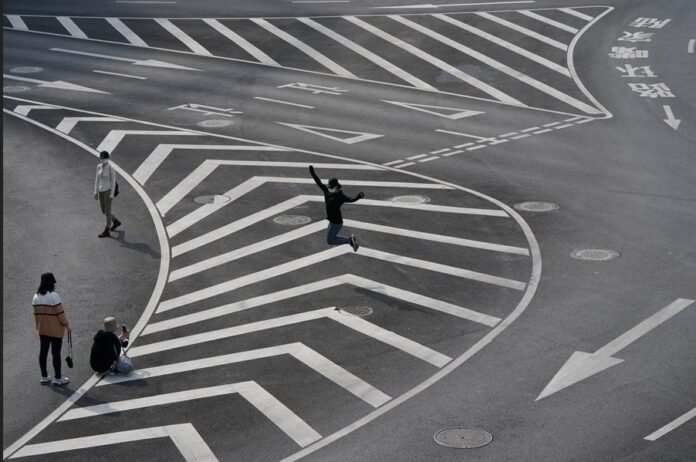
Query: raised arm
(356, 198)
(317, 180)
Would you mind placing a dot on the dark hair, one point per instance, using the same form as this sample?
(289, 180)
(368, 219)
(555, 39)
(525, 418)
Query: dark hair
(333, 183)
(48, 284)
(104, 155)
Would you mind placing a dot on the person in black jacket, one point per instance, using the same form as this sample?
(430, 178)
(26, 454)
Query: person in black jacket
(106, 349)
(334, 199)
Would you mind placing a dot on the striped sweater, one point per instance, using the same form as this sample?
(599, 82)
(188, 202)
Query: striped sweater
(49, 315)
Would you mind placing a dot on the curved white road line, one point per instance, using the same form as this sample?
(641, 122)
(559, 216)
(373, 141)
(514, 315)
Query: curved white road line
(519, 309)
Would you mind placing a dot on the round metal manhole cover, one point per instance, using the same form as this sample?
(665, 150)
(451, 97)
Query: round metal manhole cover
(292, 220)
(536, 206)
(214, 123)
(413, 199)
(15, 89)
(211, 199)
(359, 310)
(463, 438)
(26, 70)
(595, 254)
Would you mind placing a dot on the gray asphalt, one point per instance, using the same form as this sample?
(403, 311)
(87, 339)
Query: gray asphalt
(624, 183)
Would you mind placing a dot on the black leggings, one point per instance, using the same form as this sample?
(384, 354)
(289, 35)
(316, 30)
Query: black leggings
(55, 343)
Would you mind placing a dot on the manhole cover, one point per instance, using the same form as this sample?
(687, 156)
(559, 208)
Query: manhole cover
(465, 438)
(211, 199)
(414, 199)
(536, 206)
(293, 220)
(359, 310)
(26, 70)
(214, 123)
(595, 254)
(15, 89)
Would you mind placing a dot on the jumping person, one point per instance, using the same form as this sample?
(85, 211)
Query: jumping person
(334, 199)
(51, 324)
(104, 189)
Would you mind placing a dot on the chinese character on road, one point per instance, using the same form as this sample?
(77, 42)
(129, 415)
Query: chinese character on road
(627, 53)
(654, 90)
(634, 37)
(637, 71)
(315, 89)
(652, 23)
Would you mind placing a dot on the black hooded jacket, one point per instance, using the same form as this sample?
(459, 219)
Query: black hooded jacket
(333, 200)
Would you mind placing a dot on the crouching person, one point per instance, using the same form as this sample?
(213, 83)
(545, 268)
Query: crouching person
(106, 354)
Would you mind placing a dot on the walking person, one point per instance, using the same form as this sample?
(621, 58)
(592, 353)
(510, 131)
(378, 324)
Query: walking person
(334, 198)
(51, 324)
(104, 191)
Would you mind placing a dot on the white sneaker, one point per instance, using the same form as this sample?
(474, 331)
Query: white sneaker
(45, 380)
(61, 381)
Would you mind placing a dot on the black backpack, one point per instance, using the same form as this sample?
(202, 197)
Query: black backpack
(103, 352)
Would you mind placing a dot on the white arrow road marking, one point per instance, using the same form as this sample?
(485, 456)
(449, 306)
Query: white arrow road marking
(323, 131)
(114, 137)
(583, 365)
(451, 113)
(349, 279)
(136, 62)
(17, 22)
(525, 31)
(71, 27)
(241, 42)
(58, 84)
(256, 395)
(24, 109)
(670, 120)
(127, 33)
(183, 37)
(358, 324)
(184, 436)
(672, 425)
(430, 5)
(299, 351)
(68, 123)
(252, 183)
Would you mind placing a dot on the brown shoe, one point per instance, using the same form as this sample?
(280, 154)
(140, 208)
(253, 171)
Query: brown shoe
(105, 233)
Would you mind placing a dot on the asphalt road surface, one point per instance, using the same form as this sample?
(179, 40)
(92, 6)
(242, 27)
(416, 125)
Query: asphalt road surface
(527, 262)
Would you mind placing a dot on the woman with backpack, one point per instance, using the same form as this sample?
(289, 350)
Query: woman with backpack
(105, 189)
(51, 324)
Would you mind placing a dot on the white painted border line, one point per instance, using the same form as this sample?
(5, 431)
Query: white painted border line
(430, 5)
(183, 37)
(303, 47)
(407, 164)
(474, 148)
(449, 132)
(562, 126)
(519, 137)
(524, 30)
(573, 119)
(25, 109)
(241, 42)
(440, 151)
(68, 123)
(392, 162)
(505, 44)
(71, 27)
(114, 138)
(504, 68)
(690, 46)
(127, 33)
(505, 135)
(530, 129)
(16, 22)
(584, 121)
(549, 21)
(428, 159)
(416, 157)
(119, 75)
(576, 13)
(545, 130)
(672, 425)
(463, 145)
(283, 102)
(367, 54)
(494, 92)
(452, 153)
(493, 143)
(551, 124)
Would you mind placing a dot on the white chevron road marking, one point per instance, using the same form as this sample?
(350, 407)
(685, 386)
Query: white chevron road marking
(112, 140)
(68, 123)
(183, 37)
(71, 27)
(360, 325)
(16, 22)
(525, 31)
(127, 33)
(576, 13)
(256, 395)
(187, 440)
(25, 109)
(241, 42)
(552, 22)
(297, 350)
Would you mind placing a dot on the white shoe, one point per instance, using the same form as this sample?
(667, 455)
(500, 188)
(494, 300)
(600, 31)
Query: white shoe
(45, 380)
(61, 381)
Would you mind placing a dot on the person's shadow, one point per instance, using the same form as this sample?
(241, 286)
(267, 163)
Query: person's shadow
(137, 246)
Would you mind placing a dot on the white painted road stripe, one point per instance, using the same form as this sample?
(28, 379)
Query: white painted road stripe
(114, 137)
(495, 93)
(545, 130)
(68, 123)
(474, 148)
(672, 425)
(407, 164)
(120, 75)
(71, 27)
(519, 137)
(576, 13)
(452, 153)
(428, 159)
(25, 109)
(549, 21)
(440, 151)
(241, 42)
(183, 37)
(561, 126)
(504, 43)
(187, 440)
(303, 47)
(17, 22)
(283, 102)
(365, 327)
(367, 54)
(480, 138)
(392, 162)
(524, 30)
(505, 69)
(416, 157)
(299, 351)
(690, 46)
(127, 33)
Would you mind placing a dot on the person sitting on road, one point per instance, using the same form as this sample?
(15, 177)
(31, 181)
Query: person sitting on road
(106, 354)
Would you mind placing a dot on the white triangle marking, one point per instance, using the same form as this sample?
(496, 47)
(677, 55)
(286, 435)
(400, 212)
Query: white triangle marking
(321, 131)
(451, 113)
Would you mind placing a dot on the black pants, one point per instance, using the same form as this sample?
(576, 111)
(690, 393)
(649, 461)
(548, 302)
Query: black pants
(55, 343)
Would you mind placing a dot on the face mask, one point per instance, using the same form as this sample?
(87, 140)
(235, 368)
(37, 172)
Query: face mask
(104, 161)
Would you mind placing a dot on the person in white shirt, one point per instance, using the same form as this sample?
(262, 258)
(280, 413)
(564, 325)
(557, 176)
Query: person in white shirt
(104, 189)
